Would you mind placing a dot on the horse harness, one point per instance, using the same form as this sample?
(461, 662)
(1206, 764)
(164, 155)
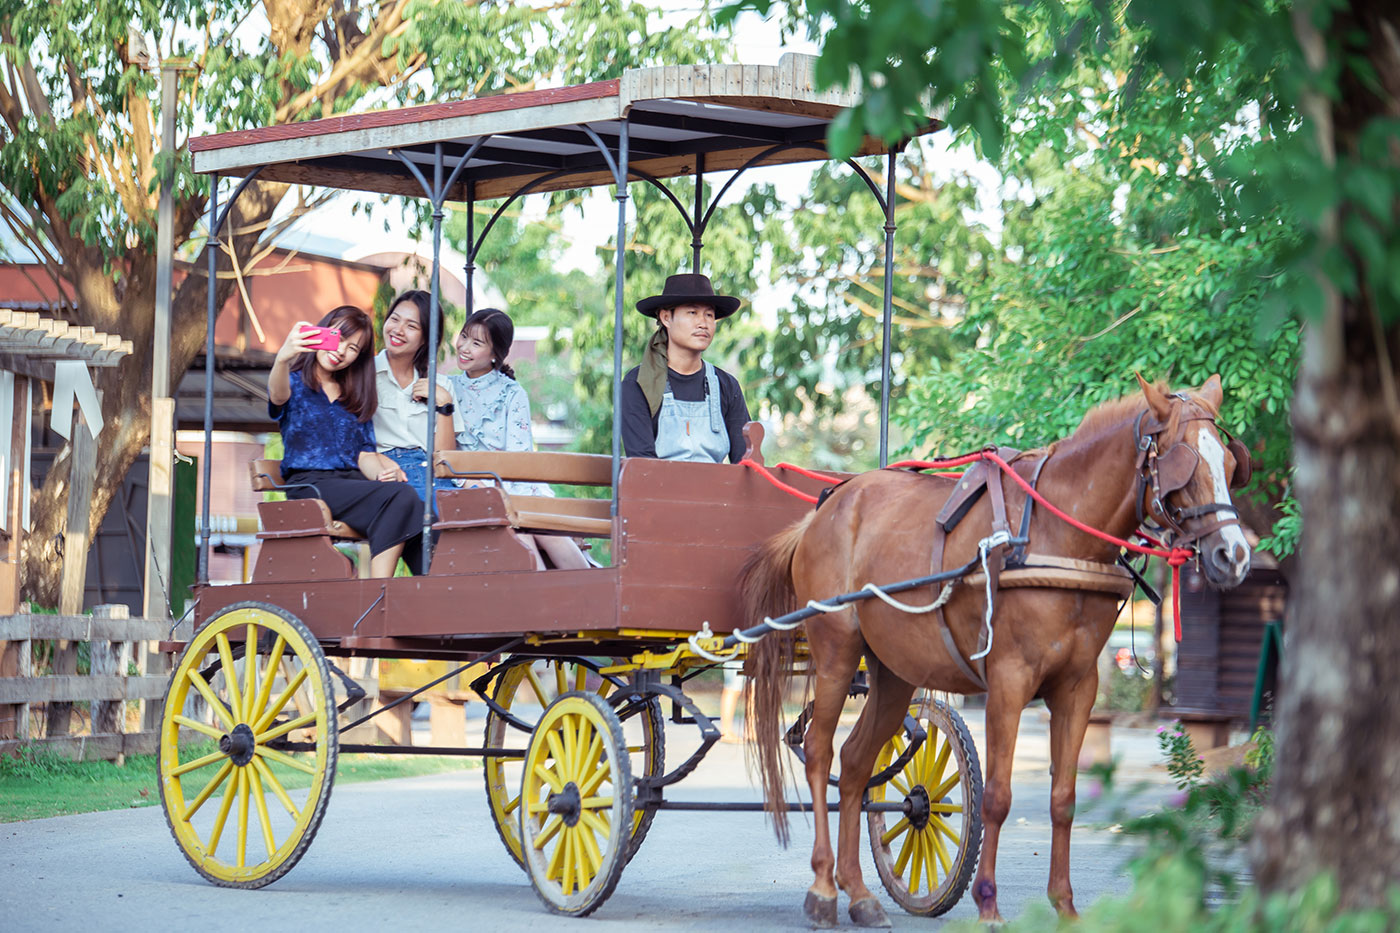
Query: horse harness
(1162, 473)
(1159, 473)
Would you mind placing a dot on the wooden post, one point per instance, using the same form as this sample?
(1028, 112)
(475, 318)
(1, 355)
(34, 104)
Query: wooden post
(159, 487)
(109, 658)
(16, 480)
(9, 667)
(83, 460)
(14, 655)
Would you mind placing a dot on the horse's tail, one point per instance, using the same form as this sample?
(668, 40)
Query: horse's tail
(767, 588)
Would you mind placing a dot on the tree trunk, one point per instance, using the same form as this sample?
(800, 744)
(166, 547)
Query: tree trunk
(1334, 802)
(1334, 806)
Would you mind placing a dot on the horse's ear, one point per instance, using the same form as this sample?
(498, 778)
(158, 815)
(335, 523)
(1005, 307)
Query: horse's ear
(1212, 392)
(1156, 400)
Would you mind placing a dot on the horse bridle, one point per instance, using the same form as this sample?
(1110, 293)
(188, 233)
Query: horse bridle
(1165, 473)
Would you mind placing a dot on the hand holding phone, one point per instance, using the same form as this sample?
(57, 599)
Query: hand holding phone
(322, 338)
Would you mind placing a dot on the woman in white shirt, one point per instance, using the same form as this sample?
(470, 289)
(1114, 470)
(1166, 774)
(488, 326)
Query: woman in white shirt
(401, 377)
(495, 414)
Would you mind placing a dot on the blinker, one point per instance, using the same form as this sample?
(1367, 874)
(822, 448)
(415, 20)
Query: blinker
(1244, 466)
(1175, 468)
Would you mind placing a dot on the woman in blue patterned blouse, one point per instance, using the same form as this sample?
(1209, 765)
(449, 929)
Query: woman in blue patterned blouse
(495, 415)
(324, 402)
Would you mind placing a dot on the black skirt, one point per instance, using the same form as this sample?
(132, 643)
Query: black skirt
(385, 513)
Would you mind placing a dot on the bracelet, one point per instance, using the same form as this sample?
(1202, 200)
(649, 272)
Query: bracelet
(446, 409)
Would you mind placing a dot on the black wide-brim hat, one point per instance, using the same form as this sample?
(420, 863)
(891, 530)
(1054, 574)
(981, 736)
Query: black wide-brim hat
(689, 289)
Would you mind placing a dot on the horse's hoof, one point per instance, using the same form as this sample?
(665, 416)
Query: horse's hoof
(867, 912)
(820, 911)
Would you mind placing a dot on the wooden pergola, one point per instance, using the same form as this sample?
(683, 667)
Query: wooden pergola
(30, 347)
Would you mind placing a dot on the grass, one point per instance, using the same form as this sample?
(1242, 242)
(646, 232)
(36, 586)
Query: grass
(36, 785)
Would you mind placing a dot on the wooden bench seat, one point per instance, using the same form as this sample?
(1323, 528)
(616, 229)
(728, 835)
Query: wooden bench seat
(590, 518)
(558, 515)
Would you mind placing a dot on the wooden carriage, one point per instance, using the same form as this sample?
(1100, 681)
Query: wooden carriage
(574, 743)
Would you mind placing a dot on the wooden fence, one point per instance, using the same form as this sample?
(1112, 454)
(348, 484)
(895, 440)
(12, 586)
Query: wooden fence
(117, 645)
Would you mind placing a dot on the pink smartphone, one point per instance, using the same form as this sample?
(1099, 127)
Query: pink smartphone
(328, 338)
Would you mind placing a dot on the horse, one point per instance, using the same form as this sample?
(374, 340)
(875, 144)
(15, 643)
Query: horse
(1155, 455)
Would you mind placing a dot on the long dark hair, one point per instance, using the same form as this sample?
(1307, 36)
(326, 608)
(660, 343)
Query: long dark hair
(424, 303)
(500, 329)
(356, 381)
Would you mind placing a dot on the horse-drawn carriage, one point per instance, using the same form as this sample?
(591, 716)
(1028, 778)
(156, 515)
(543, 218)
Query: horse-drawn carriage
(588, 665)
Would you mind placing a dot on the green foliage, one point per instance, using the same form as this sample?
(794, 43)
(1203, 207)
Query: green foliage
(1287, 530)
(1261, 757)
(1183, 764)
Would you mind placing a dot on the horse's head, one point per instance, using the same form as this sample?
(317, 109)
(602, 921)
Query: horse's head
(1186, 472)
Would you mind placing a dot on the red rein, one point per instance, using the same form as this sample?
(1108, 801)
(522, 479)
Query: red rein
(1174, 557)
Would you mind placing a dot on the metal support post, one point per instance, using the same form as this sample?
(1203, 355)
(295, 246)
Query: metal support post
(471, 247)
(697, 232)
(888, 315)
(211, 250)
(621, 175)
(435, 306)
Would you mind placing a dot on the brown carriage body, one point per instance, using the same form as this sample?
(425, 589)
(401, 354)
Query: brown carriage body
(681, 534)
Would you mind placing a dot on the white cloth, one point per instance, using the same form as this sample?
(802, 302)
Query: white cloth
(400, 420)
(496, 414)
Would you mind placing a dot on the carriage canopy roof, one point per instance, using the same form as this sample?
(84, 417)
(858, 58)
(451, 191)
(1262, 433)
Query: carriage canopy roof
(676, 116)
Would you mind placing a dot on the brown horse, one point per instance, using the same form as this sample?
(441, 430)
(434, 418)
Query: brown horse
(1154, 454)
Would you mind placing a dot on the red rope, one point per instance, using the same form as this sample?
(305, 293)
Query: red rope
(810, 474)
(790, 490)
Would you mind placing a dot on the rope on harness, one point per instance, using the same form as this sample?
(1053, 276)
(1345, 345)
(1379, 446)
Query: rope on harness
(938, 603)
(983, 546)
(694, 642)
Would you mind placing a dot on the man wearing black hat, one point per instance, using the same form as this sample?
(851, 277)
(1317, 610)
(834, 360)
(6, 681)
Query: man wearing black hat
(676, 406)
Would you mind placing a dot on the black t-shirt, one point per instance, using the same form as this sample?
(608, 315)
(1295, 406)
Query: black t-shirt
(639, 424)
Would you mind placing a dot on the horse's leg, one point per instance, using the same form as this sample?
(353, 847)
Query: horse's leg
(1069, 716)
(885, 708)
(1006, 698)
(836, 649)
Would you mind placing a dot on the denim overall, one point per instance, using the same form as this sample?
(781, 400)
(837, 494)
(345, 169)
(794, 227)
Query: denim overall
(692, 430)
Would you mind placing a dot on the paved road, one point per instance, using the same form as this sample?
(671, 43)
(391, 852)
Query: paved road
(420, 852)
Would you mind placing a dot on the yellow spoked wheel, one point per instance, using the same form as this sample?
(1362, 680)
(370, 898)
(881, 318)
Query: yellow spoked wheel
(927, 856)
(575, 796)
(523, 689)
(248, 745)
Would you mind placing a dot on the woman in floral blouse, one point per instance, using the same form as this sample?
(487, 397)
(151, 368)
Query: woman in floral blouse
(495, 414)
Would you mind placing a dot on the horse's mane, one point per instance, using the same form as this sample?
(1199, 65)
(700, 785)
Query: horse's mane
(1110, 414)
(1113, 412)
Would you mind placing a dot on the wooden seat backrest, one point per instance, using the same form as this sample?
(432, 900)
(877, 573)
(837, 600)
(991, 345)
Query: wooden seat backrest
(530, 466)
(266, 475)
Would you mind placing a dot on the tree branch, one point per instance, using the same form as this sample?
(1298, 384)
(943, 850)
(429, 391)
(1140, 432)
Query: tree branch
(362, 63)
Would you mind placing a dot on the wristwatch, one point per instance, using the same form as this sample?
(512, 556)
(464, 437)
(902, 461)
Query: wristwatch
(447, 409)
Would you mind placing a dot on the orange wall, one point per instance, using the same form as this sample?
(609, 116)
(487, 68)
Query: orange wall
(303, 288)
